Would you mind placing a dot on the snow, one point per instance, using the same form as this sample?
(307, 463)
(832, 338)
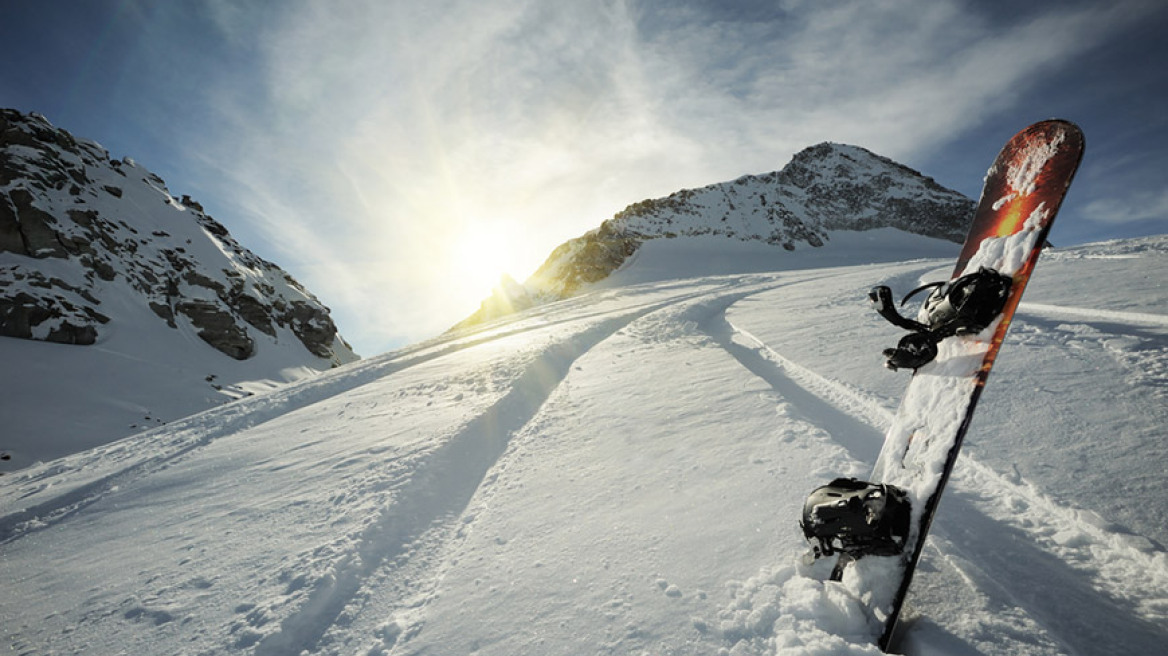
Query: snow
(169, 374)
(621, 472)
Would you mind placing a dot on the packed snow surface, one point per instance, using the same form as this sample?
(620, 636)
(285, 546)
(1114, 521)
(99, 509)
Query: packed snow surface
(621, 473)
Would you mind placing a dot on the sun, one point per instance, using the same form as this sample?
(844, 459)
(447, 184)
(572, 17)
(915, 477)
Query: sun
(482, 254)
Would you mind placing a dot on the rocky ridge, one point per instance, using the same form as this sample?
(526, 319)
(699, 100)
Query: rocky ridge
(82, 235)
(825, 188)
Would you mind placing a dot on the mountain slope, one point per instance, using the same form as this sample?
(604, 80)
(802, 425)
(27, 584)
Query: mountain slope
(621, 472)
(122, 294)
(825, 192)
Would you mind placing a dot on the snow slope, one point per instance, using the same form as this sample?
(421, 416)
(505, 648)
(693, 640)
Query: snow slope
(621, 472)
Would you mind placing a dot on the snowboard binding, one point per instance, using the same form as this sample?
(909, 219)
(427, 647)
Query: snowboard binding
(856, 518)
(964, 306)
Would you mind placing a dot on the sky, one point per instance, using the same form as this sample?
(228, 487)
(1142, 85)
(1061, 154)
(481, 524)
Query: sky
(396, 157)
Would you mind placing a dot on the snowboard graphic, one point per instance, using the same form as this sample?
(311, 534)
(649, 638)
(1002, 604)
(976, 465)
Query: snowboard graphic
(879, 528)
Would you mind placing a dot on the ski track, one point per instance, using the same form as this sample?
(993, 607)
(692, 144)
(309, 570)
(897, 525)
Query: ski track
(1126, 567)
(75, 482)
(430, 510)
(181, 438)
(1006, 523)
(444, 483)
(1094, 315)
(405, 616)
(428, 505)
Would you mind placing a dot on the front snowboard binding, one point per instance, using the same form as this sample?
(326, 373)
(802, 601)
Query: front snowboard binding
(965, 306)
(856, 518)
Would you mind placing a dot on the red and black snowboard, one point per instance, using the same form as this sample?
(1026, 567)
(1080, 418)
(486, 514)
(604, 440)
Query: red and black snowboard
(878, 528)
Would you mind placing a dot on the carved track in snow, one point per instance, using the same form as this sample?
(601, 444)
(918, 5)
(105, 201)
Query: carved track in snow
(32, 503)
(402, 550)
(438, 532)
(439, 489)
(1093, 314)
(998, 531)
(82, 479)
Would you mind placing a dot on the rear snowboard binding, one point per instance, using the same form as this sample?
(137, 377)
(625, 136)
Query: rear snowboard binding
(855, 518)
(965, 306)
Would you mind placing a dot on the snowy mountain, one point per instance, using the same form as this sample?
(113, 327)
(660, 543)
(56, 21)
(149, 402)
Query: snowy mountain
(621, 472)
(825, 193)
(121, 295)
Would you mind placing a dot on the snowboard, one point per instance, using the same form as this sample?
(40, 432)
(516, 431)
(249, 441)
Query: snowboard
(1023, 191)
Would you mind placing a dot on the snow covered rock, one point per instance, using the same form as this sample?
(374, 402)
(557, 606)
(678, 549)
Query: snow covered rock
(77, 228)
(123, 307)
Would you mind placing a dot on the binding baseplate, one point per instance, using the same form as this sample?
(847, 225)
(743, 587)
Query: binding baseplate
(856, 518)
(964, 306)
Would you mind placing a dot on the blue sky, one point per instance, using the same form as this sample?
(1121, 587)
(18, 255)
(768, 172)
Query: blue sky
(396, 156)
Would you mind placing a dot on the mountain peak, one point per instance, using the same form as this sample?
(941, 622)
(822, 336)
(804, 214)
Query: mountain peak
(824, 189)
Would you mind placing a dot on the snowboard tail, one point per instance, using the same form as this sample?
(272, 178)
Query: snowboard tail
(1023, 191)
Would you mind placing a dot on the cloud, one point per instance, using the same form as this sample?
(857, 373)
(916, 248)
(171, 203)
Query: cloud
(377, 132)
(896, 77)
(1130, 208)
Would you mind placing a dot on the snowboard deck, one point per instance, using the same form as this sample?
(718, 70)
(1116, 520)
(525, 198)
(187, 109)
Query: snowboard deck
(1023, 191)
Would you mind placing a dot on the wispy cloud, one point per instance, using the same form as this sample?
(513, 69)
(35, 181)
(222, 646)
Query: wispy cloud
(380, 131)
(1130, 208)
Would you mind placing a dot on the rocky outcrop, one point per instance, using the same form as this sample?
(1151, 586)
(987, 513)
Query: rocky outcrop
(823, 189)
(77, 228)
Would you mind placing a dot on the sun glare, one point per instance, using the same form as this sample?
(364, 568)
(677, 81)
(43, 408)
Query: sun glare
(482, 254)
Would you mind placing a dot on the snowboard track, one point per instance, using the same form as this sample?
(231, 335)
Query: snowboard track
(1093, 315)
(184, 437)
(443, 486)
(83, 479)
(1006, 525)
(406, 615)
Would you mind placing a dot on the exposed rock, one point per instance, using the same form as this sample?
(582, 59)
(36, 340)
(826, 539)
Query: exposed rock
(312, 325)
(36, 226)
(164, 312)
(218, 328)
(65, 202)
(254, 312)
(19, 313)
(57, 319)
(11, 239)
(824, 188)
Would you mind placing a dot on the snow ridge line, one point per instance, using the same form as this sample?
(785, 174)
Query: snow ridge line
(443, 486)
(859, 404)
(1094, 314)
(1128, 567)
